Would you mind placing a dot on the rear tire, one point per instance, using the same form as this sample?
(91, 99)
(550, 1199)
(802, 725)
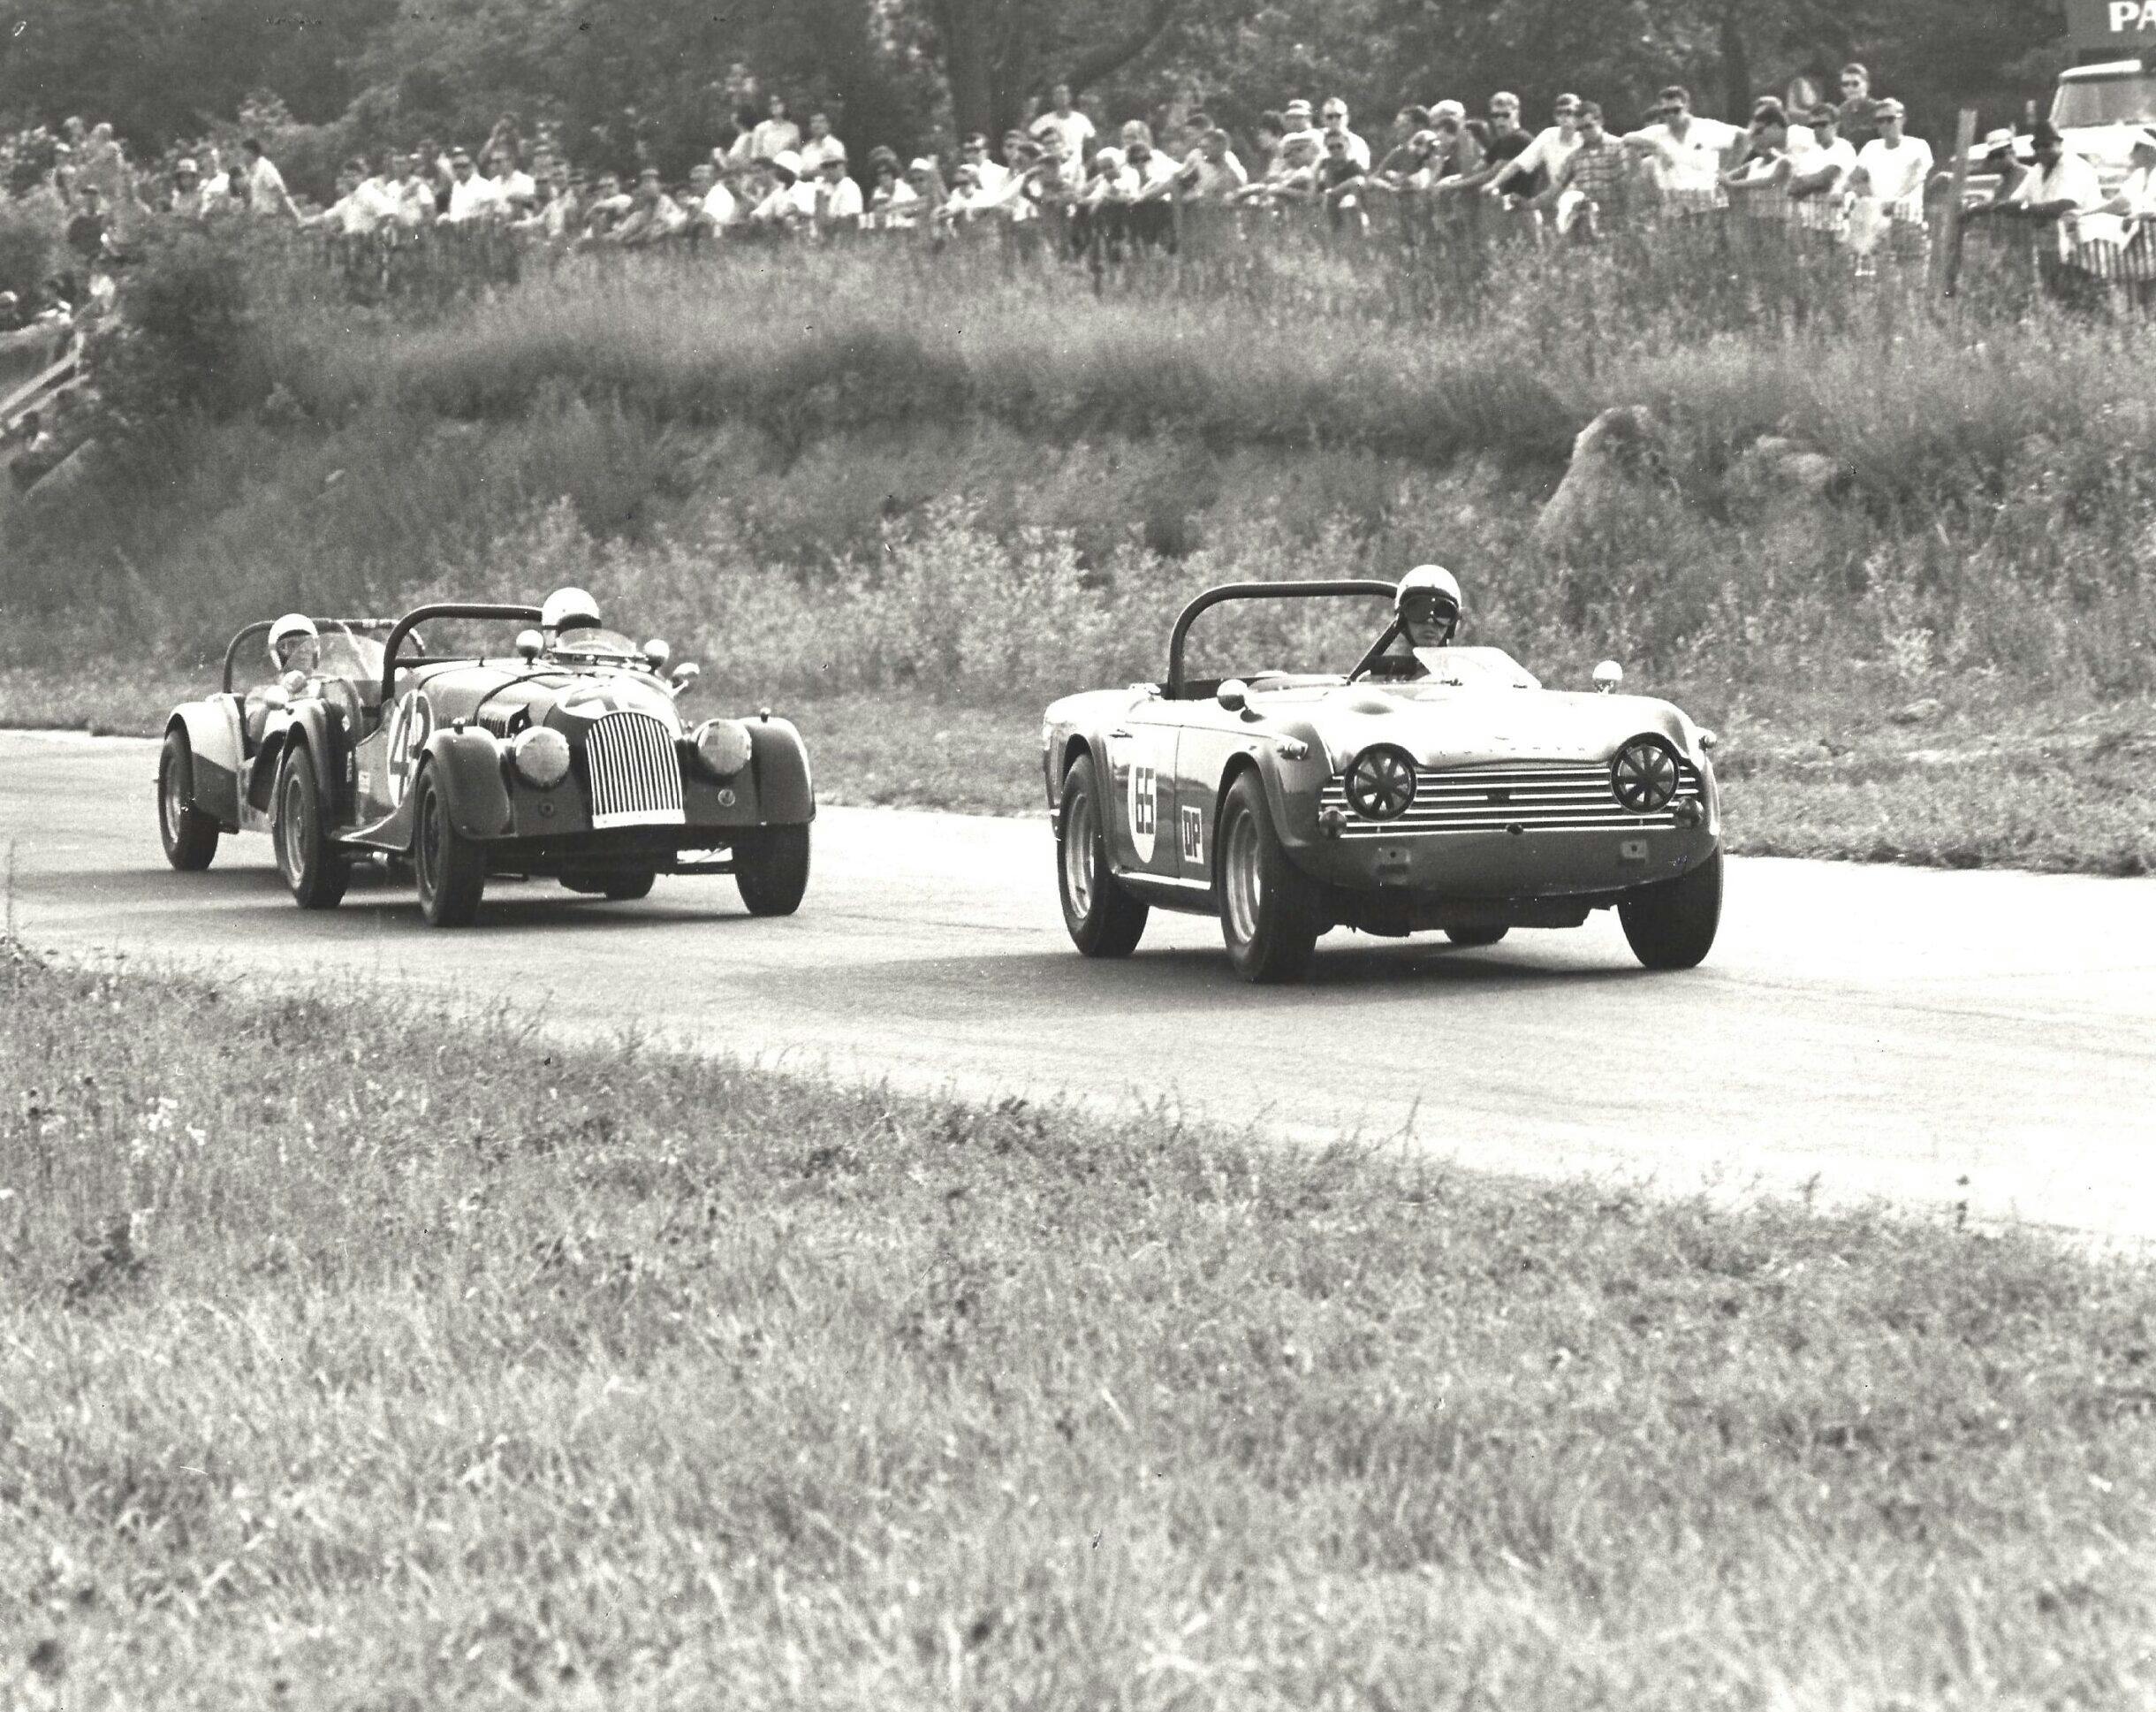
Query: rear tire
(1469, 938)
(1103, 920)
(314, 868)
(1270, 913)
(189, 836)
(1672, 925)
(770, 865)
(450, 869)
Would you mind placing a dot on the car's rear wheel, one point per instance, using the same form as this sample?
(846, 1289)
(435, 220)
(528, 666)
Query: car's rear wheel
(1672, 925)
(189, 836)
(1271, 915)
(450, 869)
(1104, 920)
(1469, 938)
(314, 868)
(770, 865)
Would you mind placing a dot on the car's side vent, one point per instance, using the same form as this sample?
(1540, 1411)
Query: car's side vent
(636, 772)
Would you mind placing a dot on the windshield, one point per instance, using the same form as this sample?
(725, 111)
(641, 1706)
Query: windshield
(2129, 98)
(597, 644)
(339, 654)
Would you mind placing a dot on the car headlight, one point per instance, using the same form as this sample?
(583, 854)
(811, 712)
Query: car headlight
(1645, 775)
(722, 747)
(541, 756)
(1381, 782)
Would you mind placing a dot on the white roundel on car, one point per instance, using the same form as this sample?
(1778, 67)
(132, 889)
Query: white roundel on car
(1141, 758)
(409, 731)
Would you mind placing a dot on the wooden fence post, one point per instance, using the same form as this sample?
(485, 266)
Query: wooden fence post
(1949, 253)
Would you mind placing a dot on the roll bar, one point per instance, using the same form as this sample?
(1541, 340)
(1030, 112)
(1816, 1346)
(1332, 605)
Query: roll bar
(1228, 591)
(260, 627)
(419, 615)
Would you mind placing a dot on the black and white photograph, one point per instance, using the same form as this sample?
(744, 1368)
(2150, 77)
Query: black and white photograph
(1111, 856)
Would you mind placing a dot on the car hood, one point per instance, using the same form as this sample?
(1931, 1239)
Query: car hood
(507, 696)
(1444, 727)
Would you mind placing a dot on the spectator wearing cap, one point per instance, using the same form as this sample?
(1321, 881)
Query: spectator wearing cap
(1684, 153)
(1461, 147)
(820, 147)
(1334, 115)
(2000, 162)
(1528, 174)
(774, 134)
(1065, 124)
(1593, 188)
(2060, 185)
(183, 194)
(605, 207)
(1818, 182)
(838, 197)
(924, 177)
(1859, 113)
(791, 199)
(1896, 167)
(473, 198)
(1301, 121)
(266, 194)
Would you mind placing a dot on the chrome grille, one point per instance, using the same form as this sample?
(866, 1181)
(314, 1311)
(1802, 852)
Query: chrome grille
(636, 772)
(1542, 796)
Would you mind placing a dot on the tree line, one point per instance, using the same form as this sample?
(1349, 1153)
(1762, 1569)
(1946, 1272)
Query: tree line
(663, 79)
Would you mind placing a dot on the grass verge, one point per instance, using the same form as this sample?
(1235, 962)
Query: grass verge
(354, 1353)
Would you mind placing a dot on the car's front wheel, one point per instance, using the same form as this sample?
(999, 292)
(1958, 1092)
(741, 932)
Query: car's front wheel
(314, 868)
(189, 836)
(1103, 920)
(1271, 915)
(1672, 925)
(770, 865)
(450, 869)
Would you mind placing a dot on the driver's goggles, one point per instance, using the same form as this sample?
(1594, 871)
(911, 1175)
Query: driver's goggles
(1427, 607)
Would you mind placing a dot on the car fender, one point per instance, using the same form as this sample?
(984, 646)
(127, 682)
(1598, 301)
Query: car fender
(468, 767)
(783, 789)
(212, 730)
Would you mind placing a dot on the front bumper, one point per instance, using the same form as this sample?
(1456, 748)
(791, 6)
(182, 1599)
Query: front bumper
(1502, 863)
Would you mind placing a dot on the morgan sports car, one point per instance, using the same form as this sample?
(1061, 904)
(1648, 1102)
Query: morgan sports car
(565, 759)
(1433, 788)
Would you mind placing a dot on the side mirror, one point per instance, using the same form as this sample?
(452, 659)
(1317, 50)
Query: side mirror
(683, 675)
(1608, 675)
(529, 644)
(1232, 695)
(656, 653)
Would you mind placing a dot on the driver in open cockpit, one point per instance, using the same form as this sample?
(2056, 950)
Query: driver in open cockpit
(295, 655)
(1427, 607)
(566, 610)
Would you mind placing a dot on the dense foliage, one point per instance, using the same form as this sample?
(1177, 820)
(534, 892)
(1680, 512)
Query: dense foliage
(667, 78)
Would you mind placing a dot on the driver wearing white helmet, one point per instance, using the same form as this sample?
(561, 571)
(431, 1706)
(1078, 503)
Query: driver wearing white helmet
(295, 655)
(1426, 606)
(566, 610)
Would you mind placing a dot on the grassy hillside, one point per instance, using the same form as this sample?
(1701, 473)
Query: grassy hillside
(942, 485)
(400, 1360)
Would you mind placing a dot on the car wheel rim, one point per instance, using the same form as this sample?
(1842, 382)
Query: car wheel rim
(168, 803)
(1245, 884)
(290, 836)
(1078, 855)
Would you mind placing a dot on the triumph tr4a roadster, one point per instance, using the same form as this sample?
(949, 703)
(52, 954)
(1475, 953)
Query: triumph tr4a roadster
(565, 758)
(1436, 788)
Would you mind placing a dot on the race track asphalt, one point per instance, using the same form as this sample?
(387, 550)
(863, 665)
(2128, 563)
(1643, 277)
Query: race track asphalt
(1940, 1040)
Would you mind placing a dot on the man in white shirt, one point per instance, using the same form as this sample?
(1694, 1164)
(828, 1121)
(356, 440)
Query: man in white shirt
(1818, 187)
(820, 147)
(1211, 173)
(470, 196)
(774, 135)
(715, 206)
(2135, 196)
(1896, 166)
(1683, 153)
(515, 188)
(1546, 153)
(410, 197)
(838, 197)
(354, 212)
(1335, 117)
(791, 200)
(266, 192)
(1064, 122)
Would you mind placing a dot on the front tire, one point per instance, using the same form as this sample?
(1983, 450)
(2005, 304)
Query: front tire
(1270, 911)
(1103, 920)
(1672, 925)
(189, 836)
(450, 869)
(312, 865)
(770, 865)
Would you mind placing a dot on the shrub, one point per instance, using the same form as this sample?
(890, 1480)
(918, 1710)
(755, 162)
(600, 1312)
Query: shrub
(190, 343)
